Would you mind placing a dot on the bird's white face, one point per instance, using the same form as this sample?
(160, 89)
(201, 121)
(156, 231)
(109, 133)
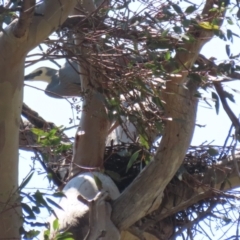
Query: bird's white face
(41, 74)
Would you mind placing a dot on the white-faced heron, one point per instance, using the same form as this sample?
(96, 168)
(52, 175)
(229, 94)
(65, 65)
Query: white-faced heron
(64, 82)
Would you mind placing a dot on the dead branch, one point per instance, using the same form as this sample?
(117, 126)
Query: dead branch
(34, 118)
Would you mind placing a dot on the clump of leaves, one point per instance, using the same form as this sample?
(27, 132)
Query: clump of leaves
(51, 138)
(57, 235)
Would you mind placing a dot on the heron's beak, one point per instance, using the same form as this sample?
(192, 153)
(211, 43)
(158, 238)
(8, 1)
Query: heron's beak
(38, 76)
(30, 77)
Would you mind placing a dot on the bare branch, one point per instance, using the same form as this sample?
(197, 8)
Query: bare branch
(34, 118)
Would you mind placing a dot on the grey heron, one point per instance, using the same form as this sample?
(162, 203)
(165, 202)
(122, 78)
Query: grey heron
(64, 82)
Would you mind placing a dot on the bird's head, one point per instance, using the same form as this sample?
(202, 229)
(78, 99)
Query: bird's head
(44, 74)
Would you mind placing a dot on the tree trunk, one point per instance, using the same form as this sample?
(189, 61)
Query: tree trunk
(11, 94)
(16, 40)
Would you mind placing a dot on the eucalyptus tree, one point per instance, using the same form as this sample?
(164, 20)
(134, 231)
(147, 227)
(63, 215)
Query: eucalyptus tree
(140, 73)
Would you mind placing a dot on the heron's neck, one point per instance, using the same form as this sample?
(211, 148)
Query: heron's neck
(44, 78)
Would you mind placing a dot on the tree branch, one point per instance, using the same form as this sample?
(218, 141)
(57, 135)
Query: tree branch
(34, 118)
(138, 199)
(184, 194)
(100, 224)
(94, 125)
(49, 16)
(25, 18)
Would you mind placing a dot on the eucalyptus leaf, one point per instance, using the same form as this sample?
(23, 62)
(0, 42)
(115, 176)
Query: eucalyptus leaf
(132, 160)
(217, 103)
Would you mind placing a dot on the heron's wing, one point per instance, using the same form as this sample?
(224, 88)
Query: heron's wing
(65, 83)
(69, 73)
(54, 89)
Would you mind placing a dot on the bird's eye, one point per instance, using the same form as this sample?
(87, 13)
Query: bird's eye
(39, 72)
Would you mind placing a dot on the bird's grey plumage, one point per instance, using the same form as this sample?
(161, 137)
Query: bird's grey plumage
(64, 82)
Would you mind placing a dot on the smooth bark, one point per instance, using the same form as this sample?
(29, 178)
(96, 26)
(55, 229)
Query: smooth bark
(14, 46)
(94, 124)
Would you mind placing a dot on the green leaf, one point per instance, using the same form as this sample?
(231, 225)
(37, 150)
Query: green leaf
(228, 51)
(53, 132)
(197, 95)
(186, 23)
(229, 96)
(98, 182)
(229, 20)
(190, 9)
(28, 210)
(39, 199)
(58, 195)
(167, 55)
(177, 8)
(220, 34)
(212, 152)
(208, 26)
(229, 35)
(31, 234)
(177, 29)
(213, 10)
(142, 85)
(53, 203)
(165, 33)
(236, 35)
(158, 43)
(64, 147)
(195, 77)
(158, 102)
(54, 140)
(235, 90)
(55, 225)
(159, 126)
(21, 230)
(217, 103)
(65, 236)
(238, 13)
(26, 181)
(113, 175)
(46, 234)
(143, 141)
(132, 160)
(36, 209)
(147, 159)
(39, 132)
